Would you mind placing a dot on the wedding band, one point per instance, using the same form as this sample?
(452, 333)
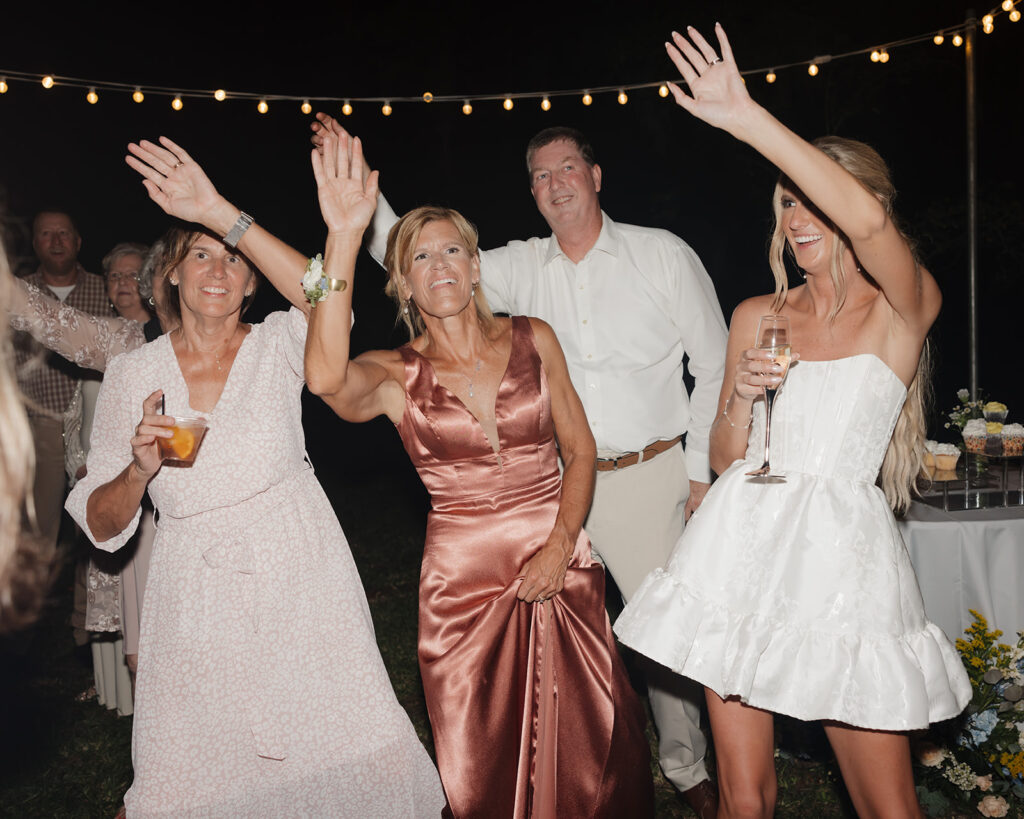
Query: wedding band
(716, 61)
(182, 163)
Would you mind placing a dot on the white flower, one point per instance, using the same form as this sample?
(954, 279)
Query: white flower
(985, 782)
(931, 756)
(313, 281)
(962, 394)
(993, 806)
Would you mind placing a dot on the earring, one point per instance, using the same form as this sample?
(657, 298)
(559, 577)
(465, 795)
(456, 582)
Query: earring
(151, 302)
(406, 308)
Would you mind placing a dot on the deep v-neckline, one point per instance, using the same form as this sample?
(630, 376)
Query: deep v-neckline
(227, 381)
(497, 394)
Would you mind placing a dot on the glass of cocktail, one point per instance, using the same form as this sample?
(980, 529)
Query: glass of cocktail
(181, 448)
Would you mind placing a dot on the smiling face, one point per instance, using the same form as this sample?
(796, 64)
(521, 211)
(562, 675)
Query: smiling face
(56, 243)
(564, 186)
(123, 283)
(808, 231)
(442, 272)
(212, 279)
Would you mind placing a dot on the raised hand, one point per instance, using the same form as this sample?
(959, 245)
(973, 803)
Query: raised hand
(719, 94)
(174, 180)
(325, 124)
(346, 188)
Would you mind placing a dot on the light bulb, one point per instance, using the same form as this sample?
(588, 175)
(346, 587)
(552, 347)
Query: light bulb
(3, 85)
(988, 28)
(220, 95)
(875, 56)
(883, 57)
(177, 104)
(346, 109)
(507, 104)
(138, 96)
(938, 39)
(47, 81)
(467, 109)
(1007, 5)
(386, 109)
(587, 99)
(663, 90)
(262, 107)
(1014, 15)
(812, 69)
(958, 40)
(770, 76)
(92, 96)
(545, 104)
(428, 97)
(306, 108)
(622, 98)
(987, 20)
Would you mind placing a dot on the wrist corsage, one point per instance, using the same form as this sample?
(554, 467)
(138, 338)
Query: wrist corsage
(314, 282)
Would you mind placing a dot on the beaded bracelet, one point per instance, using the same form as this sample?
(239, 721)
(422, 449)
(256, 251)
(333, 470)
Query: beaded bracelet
(725, 414)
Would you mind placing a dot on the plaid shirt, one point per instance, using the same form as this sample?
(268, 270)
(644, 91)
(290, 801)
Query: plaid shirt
(46, 379)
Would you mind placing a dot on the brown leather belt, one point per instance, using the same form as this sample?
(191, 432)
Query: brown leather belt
(630, 458)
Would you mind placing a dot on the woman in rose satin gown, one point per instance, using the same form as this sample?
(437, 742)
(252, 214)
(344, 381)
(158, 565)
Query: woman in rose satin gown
(532, 712)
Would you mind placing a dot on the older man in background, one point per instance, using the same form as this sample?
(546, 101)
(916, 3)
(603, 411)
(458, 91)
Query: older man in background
(46, 380)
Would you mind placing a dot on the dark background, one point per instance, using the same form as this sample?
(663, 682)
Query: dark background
(661, 167)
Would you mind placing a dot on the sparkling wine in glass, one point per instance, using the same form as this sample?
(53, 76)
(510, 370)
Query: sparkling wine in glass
(773, 336)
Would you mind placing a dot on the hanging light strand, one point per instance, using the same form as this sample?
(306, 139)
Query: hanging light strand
(878, 53)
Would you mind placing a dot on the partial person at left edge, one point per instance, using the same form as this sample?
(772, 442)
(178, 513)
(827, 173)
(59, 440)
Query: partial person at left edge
(46, 380)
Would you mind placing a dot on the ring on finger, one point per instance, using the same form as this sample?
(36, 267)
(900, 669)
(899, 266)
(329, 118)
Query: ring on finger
(715, 61)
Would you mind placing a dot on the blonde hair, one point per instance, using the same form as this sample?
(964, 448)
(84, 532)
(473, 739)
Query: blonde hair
(398, 259)
(25, 564)
(903, 458)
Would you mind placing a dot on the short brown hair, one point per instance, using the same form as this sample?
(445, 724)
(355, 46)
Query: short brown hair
(559, 132)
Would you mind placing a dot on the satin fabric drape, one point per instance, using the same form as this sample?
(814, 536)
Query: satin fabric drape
(531, 709)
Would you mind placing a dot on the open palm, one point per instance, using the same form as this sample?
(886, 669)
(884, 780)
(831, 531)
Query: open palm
(346, 201)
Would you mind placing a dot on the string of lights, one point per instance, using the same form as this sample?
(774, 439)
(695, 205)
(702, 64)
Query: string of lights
(876, 53)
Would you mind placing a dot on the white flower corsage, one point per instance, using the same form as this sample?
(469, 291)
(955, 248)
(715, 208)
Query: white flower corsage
(314, 282)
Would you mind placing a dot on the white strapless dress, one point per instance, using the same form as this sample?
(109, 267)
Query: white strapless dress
(799, 597)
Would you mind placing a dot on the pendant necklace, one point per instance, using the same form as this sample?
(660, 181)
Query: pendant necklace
(476, 369)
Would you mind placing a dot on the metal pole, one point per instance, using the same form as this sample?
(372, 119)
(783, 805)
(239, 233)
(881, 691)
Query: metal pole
(972, 205)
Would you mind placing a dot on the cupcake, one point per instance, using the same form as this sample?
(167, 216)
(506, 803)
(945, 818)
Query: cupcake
(928, 458)
(994, 411)
(975, 433)
(946, 456)
(1013, 439)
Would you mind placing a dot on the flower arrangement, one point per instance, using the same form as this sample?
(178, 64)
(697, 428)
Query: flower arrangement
(982, 764)
(965, 411)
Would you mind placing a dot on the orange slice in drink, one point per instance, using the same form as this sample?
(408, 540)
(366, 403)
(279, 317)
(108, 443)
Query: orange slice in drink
(182, 442)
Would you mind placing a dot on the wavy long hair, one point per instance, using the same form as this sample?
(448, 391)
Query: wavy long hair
(26, 562)
(904, 457)
(398, 258)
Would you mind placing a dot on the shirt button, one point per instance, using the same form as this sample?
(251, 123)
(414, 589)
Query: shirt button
(584, 321)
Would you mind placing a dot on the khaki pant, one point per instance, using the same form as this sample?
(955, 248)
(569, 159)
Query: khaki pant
(634, 523)
(50, 480)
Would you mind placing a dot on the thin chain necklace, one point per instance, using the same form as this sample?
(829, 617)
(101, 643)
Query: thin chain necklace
(476, 369)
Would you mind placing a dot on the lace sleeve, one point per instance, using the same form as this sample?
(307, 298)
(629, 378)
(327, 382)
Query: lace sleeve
(89, 341)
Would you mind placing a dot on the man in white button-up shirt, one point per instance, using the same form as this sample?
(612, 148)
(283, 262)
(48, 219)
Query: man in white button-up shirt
(627, 303)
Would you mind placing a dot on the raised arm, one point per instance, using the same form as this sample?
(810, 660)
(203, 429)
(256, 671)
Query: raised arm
(544, 574)
(359, 389)
(178, 184)
(87, 340)
(720, 98)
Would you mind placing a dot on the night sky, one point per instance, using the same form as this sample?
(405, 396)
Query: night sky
(661, 167)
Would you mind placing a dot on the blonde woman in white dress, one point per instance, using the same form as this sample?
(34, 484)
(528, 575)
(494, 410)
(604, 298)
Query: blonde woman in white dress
(798, 596)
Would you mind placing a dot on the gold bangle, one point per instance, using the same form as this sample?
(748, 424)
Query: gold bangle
(336, 284)
(725, 414)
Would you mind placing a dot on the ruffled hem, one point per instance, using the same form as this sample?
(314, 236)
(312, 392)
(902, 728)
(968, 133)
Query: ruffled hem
(888, 682)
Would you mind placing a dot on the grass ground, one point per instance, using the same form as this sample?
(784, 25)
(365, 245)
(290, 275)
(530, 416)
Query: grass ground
(64, 758)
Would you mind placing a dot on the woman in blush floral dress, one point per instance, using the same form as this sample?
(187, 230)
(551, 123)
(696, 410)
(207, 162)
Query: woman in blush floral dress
(261, 691)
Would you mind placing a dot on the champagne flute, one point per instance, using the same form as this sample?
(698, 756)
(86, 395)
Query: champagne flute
(772, 336)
